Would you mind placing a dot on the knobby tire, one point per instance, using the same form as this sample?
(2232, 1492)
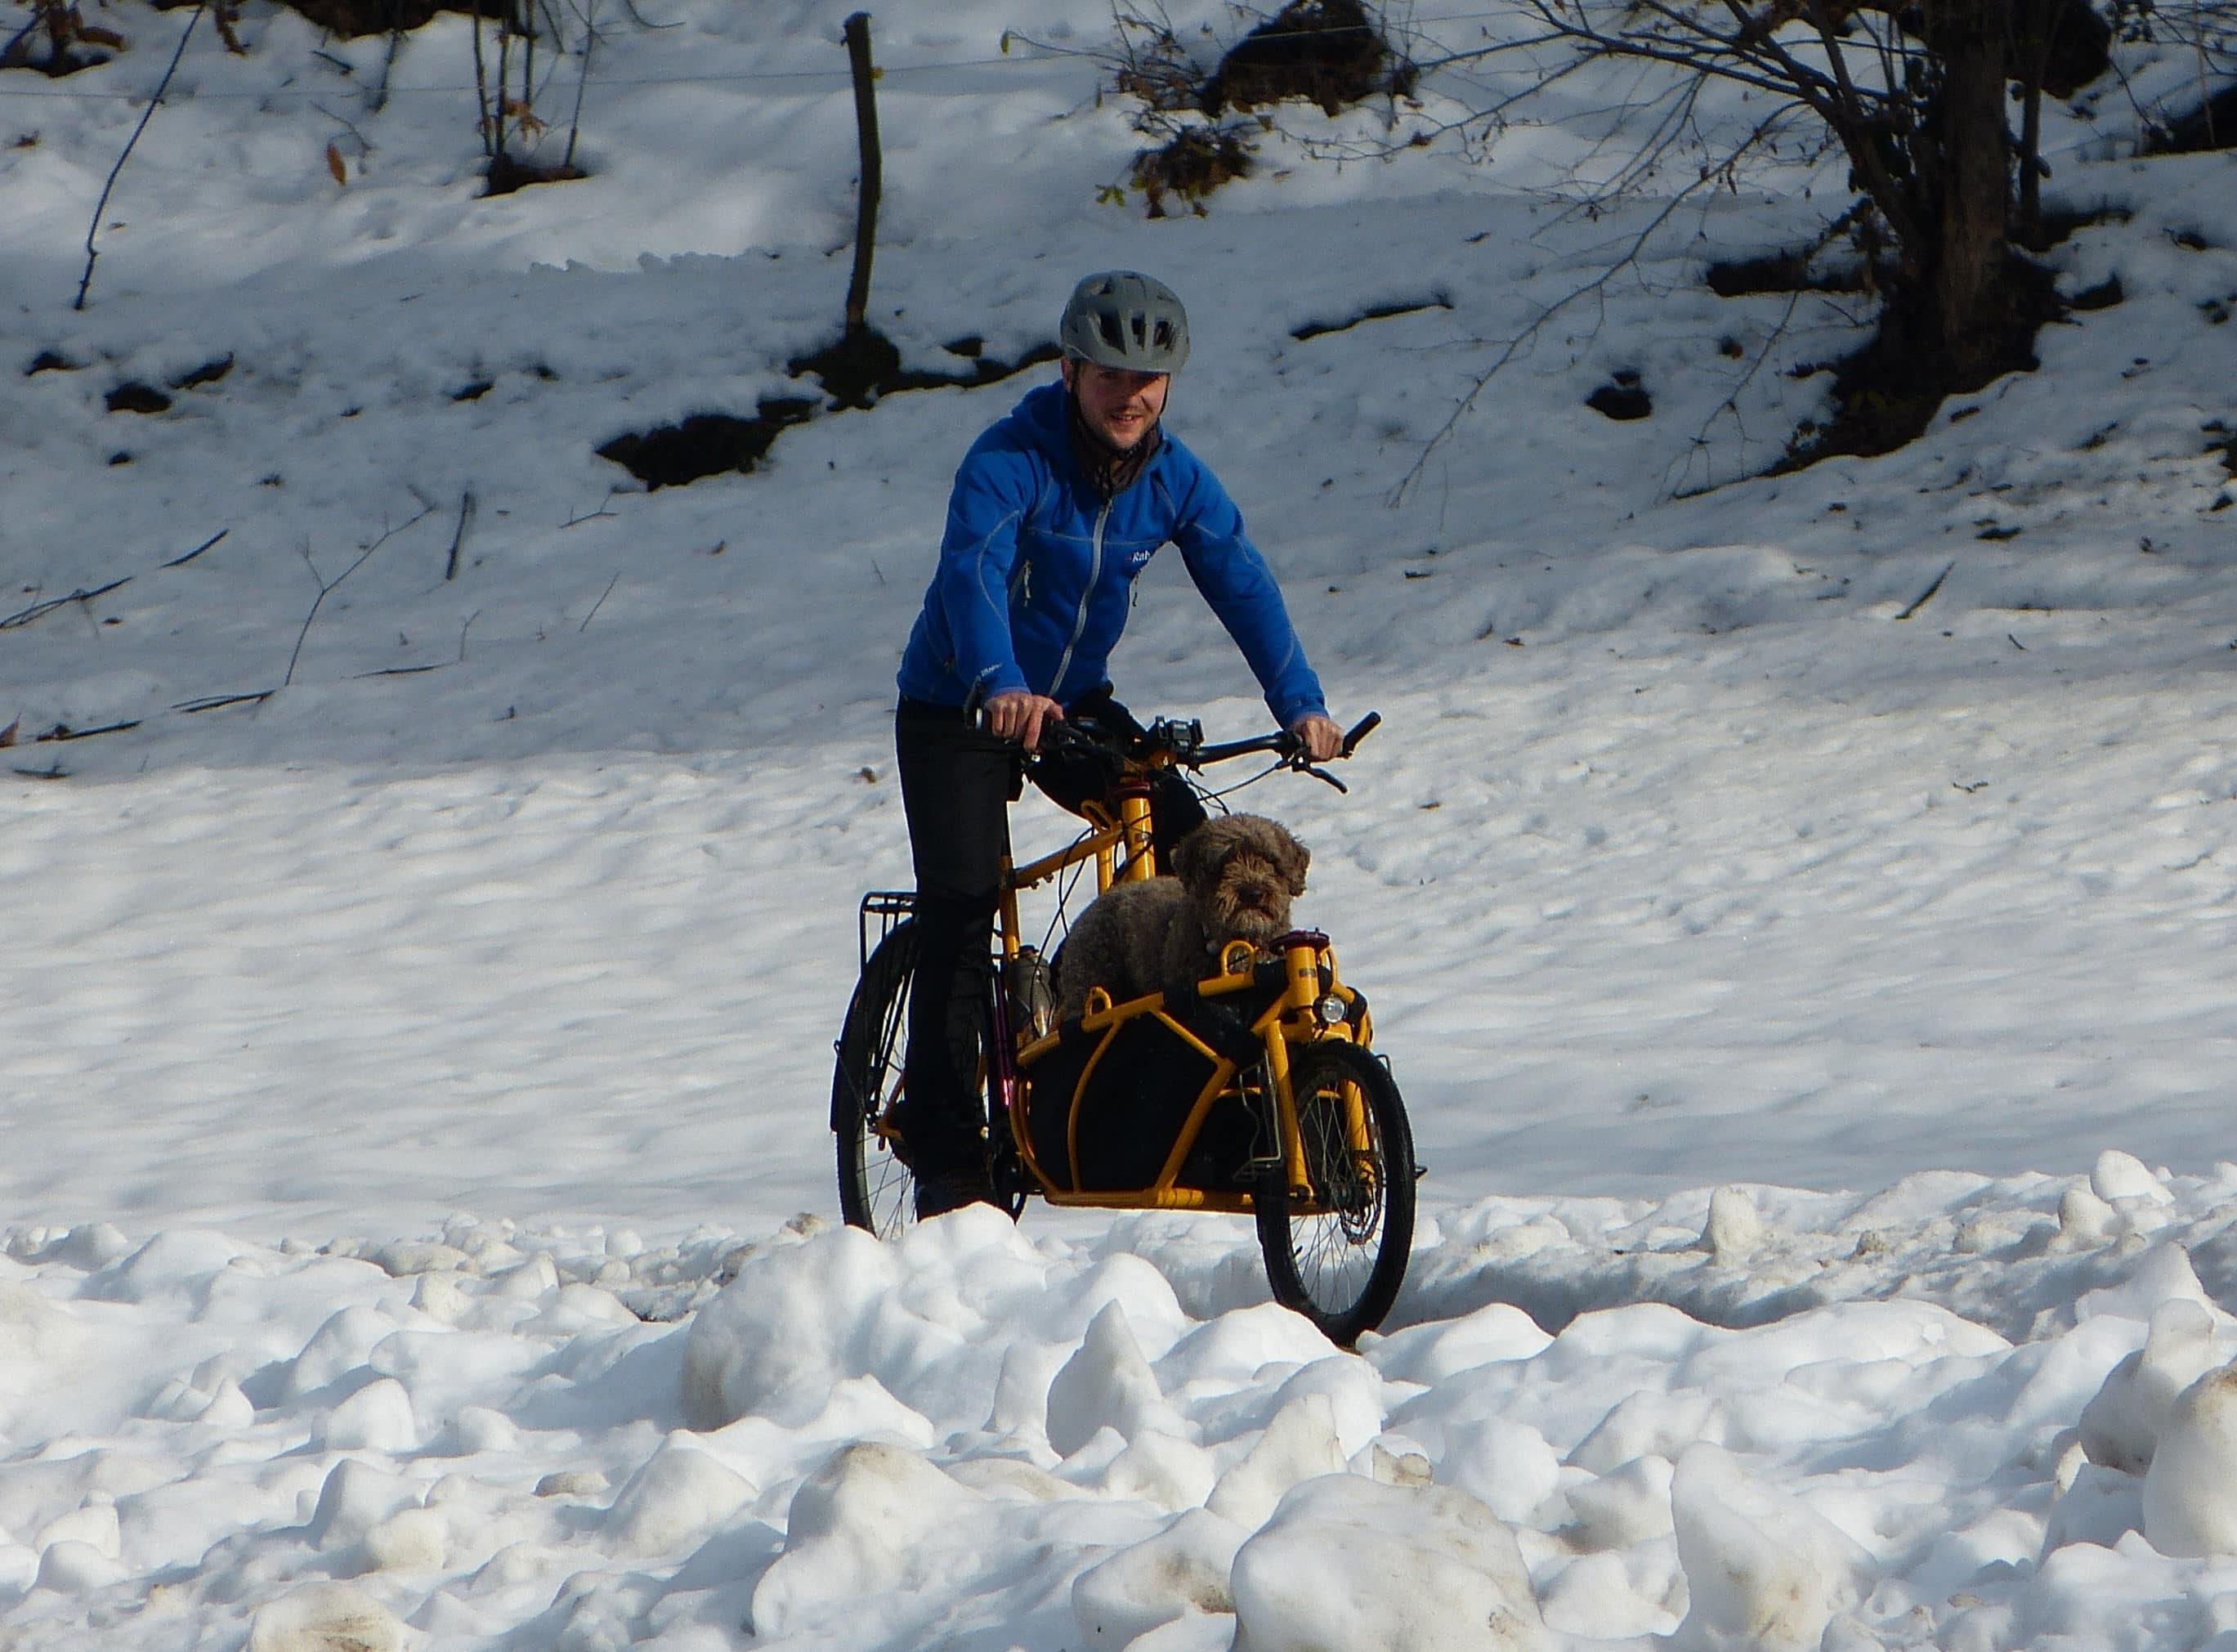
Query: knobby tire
(1340, 1261)
(876, 1190)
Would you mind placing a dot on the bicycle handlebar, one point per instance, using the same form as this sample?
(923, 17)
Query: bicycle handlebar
(1182, 742)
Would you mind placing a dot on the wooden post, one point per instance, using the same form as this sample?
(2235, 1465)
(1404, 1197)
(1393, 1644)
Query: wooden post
(866, 132)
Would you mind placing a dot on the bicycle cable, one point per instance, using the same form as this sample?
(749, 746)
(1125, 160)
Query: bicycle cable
(1068, 880)
(1221, 795)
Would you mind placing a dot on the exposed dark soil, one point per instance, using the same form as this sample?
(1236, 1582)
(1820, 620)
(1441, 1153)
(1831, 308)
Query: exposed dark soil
(1792, 272)
(208, 373)
(1377, 313)
(858, 367)
(853, 373)
(1328, 52)
(55, 64)
(705, 444)
(350, 18)
(2075, 42)
(2212, 125)
(506, 175)
(1886, 394)
(2055, 224)
(132, 396)
(2103, 296)
(1623, 399)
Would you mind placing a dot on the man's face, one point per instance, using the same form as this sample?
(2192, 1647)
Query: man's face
(1118, 405)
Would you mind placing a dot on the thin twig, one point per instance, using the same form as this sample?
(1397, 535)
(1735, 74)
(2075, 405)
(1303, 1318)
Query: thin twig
(211, 702)
(590, 43)
(364, 147)
(427, 509)
(595, 606)
(465, 516)
(378, 100)
(181, 562)
(326, 588)
(64, 731)
(26, 616)
(93, 229)
(1927, 595)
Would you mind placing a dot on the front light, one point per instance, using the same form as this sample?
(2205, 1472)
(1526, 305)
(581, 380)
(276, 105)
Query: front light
(1332, 1010)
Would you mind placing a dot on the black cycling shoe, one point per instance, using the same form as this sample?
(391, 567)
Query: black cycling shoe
(947, 1190)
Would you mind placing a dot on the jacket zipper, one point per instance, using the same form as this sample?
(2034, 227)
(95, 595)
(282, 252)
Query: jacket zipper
(1079, 628)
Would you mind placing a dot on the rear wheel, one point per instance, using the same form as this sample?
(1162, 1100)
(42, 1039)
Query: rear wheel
(876, 1190)
(1338, 1256)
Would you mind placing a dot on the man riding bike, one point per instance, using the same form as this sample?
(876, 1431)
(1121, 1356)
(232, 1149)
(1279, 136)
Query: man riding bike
(1055, 511)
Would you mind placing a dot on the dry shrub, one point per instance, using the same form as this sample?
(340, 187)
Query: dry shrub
(1192, 163)
(1328, 52)
(62, 28)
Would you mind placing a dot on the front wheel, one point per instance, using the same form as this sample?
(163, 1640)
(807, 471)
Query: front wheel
(876, 1190)
(1338, 1255)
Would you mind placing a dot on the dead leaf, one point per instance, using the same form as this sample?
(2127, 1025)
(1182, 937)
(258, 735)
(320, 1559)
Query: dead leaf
(334, 165)
(8, 733)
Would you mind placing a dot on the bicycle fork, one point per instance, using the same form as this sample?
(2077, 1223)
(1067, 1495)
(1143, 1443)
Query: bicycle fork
(1301, 1003)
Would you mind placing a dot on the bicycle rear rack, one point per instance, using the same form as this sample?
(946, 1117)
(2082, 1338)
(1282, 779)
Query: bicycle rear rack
(891, 908)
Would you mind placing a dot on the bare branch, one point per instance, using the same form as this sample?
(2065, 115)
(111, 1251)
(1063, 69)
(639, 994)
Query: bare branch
(93, 229)
(1515, 346)
(326, 588)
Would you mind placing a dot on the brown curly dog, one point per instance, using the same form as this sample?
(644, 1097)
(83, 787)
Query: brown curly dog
(1235, 877)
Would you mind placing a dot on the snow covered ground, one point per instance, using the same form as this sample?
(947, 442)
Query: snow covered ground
(418, 1198)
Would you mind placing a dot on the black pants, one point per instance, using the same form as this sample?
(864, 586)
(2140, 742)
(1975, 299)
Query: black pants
(957, 784)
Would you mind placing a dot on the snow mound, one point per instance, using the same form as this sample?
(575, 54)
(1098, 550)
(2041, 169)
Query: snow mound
(1351, 1563)
(1764, 1571)
(2122, 1423)
(2190, 1491)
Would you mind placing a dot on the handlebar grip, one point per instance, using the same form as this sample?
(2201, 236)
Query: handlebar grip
(1364, 727)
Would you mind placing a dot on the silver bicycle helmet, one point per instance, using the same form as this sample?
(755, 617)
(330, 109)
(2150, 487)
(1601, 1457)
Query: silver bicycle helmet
(1123, 319)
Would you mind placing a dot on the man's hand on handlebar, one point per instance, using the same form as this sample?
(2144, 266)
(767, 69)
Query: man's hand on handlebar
(1018, 716)
(1320, 736)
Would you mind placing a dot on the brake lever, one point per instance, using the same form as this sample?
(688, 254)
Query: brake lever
(1304, 767)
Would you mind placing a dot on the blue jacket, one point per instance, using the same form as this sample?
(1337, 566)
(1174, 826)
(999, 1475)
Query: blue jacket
(1036, 570)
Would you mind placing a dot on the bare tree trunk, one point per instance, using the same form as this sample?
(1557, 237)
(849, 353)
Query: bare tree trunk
(866, 132)
(1972, 304)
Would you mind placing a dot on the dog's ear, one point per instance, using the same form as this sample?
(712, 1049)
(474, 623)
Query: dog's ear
(1295, 857)
(1195, 858)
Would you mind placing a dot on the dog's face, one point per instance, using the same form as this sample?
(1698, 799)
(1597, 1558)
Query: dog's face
(1241, 871)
